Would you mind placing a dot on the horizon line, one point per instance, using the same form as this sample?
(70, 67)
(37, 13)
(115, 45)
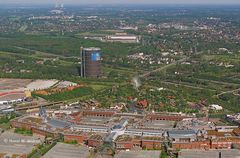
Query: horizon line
(39, 3)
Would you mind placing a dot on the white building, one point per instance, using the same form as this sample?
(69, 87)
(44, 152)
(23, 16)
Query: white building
(215, 107)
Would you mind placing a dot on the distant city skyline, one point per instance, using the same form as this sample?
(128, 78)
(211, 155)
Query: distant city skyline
(120, 1)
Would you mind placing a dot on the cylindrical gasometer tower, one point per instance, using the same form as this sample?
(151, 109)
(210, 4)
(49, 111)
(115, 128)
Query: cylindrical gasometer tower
(90, 62)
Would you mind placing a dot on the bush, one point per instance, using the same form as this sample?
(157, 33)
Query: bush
(23, 131)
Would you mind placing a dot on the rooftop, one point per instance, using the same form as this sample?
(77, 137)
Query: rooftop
(30, 119)
(236, 131)
(153, 138)
(62, 150)
(209, 153)
(12, 143)
(123, 138)
(219, 134)
(158, 124)
(91, 49)
(58, 123)
(138, 154)
(96, 137)
(181, 133)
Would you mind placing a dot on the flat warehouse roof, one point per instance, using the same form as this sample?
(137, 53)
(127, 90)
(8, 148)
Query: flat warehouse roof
(138, 154)
(62, 150)
(232, 153)
(13, 143)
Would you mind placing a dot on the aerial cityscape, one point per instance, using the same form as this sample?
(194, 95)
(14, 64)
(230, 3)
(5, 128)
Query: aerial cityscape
(125, 79)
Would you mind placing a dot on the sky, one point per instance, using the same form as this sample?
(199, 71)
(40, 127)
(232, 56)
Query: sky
(120, 1)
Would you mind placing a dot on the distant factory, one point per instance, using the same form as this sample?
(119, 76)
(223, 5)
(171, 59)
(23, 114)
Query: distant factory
(59, 8)
(90, 62)
(122, 37)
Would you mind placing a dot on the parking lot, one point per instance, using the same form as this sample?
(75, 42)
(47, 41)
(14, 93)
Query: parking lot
(12, 143)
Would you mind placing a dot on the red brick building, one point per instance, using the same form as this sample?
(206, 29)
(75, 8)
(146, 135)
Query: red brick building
(224, 143)
(152, 143)
(124, 142)
(43, 132)
(137, 142)
(142, 104)
(76, 117)
(192, 145)
(99, 113)
(32, 123)
(166, 117)
(17, 124)
(95, 141)
(79, 137)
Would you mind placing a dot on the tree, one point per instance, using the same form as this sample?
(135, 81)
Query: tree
(163, 154)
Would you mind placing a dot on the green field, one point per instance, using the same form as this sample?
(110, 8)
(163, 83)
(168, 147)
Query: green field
(50, 49)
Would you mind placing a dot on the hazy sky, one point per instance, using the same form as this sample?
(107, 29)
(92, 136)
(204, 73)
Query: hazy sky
(125, 1)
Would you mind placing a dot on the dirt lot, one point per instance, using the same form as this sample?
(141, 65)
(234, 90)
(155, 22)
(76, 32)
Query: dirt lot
(13, 84)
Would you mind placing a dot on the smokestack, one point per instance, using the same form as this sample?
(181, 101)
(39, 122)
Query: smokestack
(81, 49)
(219, 155)
(136, 82)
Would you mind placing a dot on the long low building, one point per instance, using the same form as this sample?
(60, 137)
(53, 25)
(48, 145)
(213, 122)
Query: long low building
(85, 128)
(126, 131)
(138, 154)
(143, 132)
(222, 153)
(182, 135)
(123, 38)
